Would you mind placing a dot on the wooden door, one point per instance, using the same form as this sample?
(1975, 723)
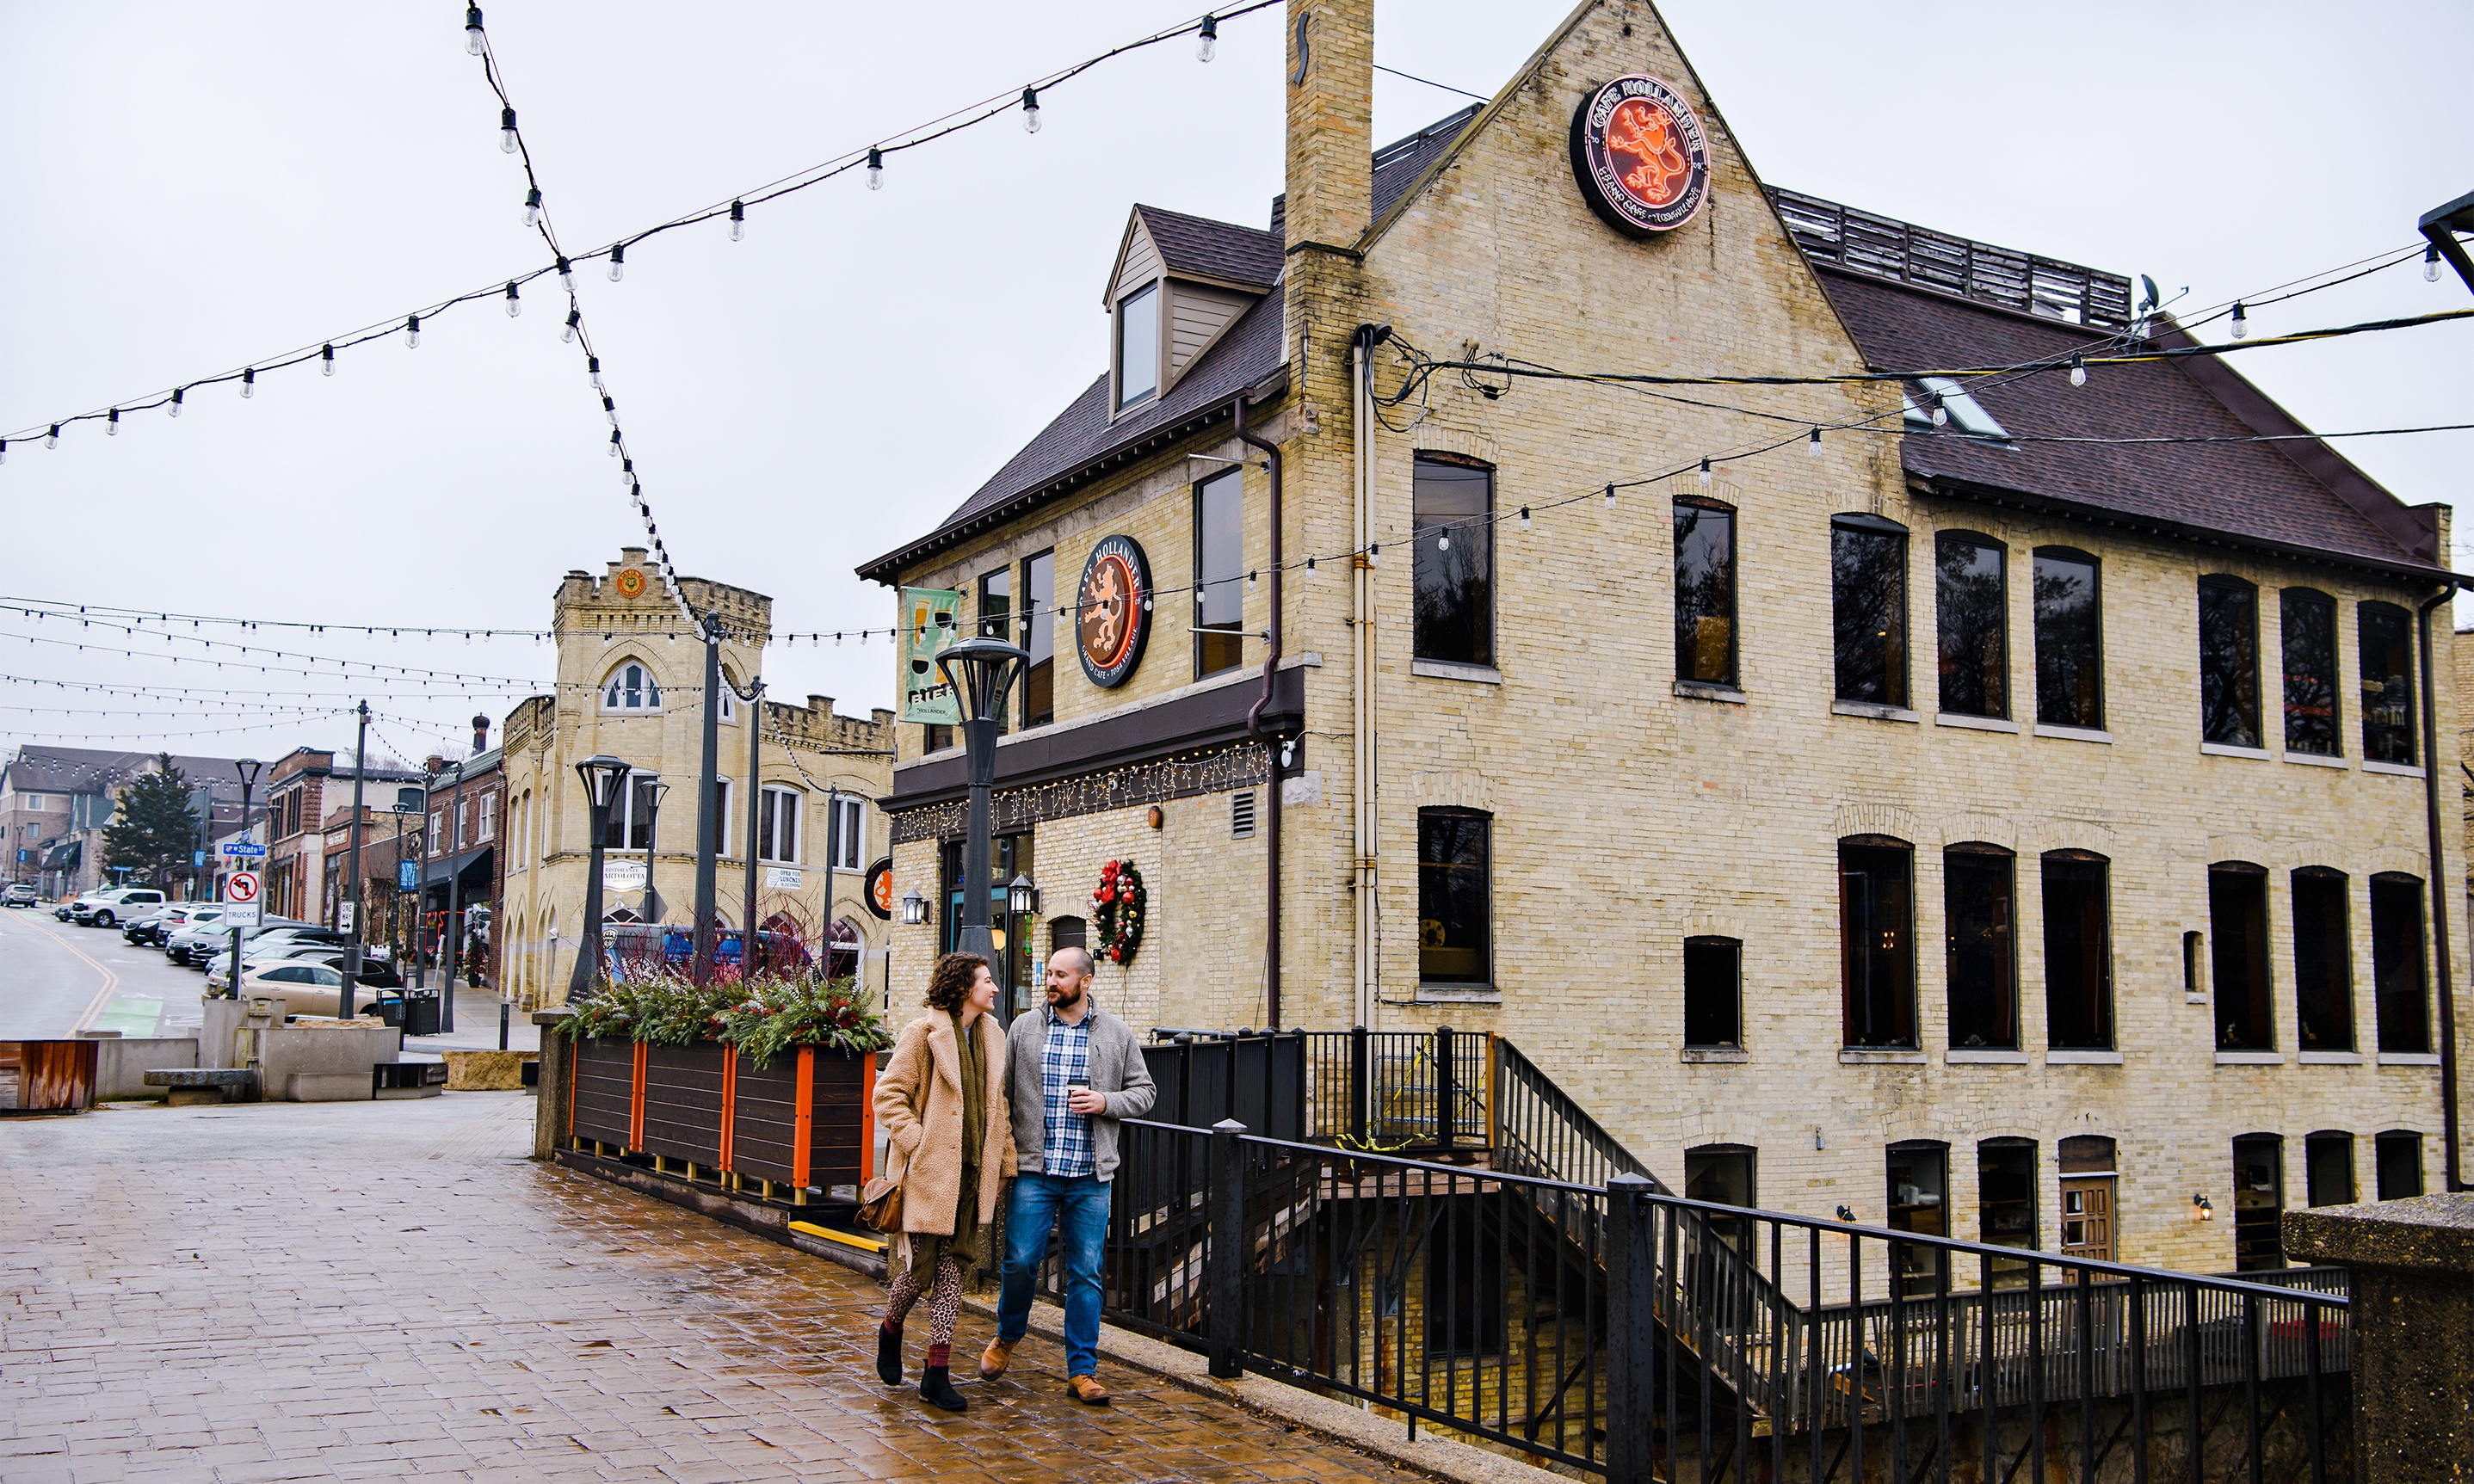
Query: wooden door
(2087, 1217)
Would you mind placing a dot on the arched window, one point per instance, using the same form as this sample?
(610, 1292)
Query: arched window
(1979, 892)
(2070, 647)
(631, 687)
(2387, 683)
(2323, 960)
(1972, 600)
(2308, 624)
(729, 696)
(1877, 917)
(2228, 661)
(2078, 952)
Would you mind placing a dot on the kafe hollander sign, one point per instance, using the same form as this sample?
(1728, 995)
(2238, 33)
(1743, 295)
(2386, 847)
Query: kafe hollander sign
(1639, 155)
(1113, 612)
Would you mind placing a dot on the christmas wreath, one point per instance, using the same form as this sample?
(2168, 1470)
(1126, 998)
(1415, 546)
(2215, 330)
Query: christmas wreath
(1118, 905)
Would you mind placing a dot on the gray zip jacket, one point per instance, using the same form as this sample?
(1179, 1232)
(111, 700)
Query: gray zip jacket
(1117, 1070)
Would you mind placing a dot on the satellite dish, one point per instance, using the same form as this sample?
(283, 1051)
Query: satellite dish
(2152, 297)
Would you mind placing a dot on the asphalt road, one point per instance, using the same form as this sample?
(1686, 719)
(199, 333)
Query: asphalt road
(57, 978)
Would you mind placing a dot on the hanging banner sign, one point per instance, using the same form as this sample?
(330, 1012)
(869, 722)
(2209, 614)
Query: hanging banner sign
(932, 619)
(1114, 611)
(1639, 155)
(406, 876)
(879, 889)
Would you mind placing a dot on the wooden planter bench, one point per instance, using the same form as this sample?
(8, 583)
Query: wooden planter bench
(804, 1122)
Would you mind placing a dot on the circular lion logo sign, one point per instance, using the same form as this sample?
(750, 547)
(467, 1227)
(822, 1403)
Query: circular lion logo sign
(1639, 155)
(1113, 616)
(631, 582)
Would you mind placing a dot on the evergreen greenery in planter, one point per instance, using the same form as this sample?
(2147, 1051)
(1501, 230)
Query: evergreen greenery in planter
(762, 1018)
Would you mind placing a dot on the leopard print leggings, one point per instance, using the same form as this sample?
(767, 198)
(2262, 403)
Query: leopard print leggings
(944, 1300)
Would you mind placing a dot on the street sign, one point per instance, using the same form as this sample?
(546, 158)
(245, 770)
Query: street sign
(248, 850)
(406, 877)
(197, 860)
(343, 917)
(241, 899)
(782, 878)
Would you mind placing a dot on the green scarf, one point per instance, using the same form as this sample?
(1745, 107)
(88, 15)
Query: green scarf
(974, 1058)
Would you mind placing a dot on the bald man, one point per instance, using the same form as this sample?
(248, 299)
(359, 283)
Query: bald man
(1071, 1072)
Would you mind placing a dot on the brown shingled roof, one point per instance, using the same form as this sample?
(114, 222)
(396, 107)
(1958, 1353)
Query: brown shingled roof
(1193, 246)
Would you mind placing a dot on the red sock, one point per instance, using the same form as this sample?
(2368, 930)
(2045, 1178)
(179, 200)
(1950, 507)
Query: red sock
(939, 1354)
(890, 1326)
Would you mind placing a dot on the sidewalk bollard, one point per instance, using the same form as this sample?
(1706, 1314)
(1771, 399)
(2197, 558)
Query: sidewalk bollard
(1225, 1259)
(503, 1007)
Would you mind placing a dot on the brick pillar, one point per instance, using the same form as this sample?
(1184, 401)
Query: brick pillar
(2412, 1321)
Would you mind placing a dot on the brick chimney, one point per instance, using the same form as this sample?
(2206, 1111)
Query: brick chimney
(1329, 81)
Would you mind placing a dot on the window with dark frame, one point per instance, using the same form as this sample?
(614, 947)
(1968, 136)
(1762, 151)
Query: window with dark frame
(1453, 568)
(2328, 1168)
(2323, 961)
(996, 620)
(934, 736)
(2397, 1155)
(1455, 929)
(2228, 661)
(1979, 902)
(1039, 638)
(1713, 1004)
(2005, 1205)
(1219, 573)
(2307, 622)
(2400, 986)
(2387, 683)
(1138, 352)
(2259, 1201)
(1918, 1171)
(2070, 639)
(2238, 934)
(1705, 593)
(1722, 1175)
(2078, 951)
(1971, 604)
(1868, 604)
(1877, 917)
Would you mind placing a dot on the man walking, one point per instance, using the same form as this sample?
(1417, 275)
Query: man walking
(1071, 1072)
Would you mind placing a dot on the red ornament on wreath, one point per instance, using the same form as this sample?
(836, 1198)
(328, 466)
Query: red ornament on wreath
(1119, 908)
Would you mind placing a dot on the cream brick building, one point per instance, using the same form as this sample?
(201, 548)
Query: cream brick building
(630, 685)
(1654, 784)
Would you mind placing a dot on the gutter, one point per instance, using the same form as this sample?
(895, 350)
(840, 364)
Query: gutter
(1254, 729)
(2440, 894)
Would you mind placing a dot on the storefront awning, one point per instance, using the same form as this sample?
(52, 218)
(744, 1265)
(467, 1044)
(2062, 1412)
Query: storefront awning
(64, 856)
(438, 871)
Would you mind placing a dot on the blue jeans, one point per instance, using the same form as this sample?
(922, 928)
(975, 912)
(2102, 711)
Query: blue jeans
(1039, 1205)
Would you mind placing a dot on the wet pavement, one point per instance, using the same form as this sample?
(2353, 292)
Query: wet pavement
(353, 1290)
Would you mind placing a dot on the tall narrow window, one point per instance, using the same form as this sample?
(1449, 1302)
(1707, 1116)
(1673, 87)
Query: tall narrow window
(2238, 934)
(1918, 1202)
(1978, 888)
(2069, 640)
(1705, 593)
(1713, 1009)
(2309, 621)
(2078, 952)
(777, 825)
(1138, 347)
(1868, 603)
(2228, 661)
(1219, 573)
(632, 821)
(2387, 683)
(1970, 597)
(2259, 1201)
(1877, 918)
(996, 617)
(2399, 985)
(2398, 1154)
(1455, 930)
(846, 824)
(2328, 1168)
(1039, 638)
(1452, 521)
(2005, 1196)
(2323, 962)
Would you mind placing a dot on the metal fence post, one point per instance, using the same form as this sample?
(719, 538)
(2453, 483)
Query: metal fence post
(1631, 1330)
(1225, 1267)
(1447, 1113)
(1361, 1090)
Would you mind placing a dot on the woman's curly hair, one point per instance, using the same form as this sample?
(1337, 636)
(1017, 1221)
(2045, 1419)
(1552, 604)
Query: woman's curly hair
(950, 982)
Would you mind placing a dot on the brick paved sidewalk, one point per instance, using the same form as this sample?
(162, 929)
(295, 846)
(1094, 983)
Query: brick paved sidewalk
(390, 1290)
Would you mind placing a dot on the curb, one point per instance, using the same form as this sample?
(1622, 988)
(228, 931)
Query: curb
(767, 1222)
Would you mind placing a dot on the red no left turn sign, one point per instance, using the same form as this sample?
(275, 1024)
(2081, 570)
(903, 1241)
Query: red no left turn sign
(242, 887)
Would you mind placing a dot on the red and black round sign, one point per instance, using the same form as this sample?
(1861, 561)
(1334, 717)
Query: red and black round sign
(1114, 616)
(878, 893)
(1639, 155)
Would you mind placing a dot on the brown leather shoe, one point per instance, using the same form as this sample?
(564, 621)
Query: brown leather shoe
(994, 1360)
(1087, 1390)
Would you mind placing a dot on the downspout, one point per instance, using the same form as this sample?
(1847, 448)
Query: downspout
(2441, 888)
(1254, 729)
(1361, 628)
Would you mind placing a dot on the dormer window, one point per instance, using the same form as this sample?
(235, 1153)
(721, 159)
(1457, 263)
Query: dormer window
(1138, 349)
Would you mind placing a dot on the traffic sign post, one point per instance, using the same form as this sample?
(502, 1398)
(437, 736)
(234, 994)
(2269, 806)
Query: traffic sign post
(240, 914)
(248, 850)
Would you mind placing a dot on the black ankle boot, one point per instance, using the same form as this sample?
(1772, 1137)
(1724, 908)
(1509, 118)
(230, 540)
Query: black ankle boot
(889, 1355)
(938, 1390)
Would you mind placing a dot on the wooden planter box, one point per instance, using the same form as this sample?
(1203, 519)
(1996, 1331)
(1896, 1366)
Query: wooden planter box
(805, 1121)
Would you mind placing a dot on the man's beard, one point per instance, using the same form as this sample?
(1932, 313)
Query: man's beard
(1060, 1000)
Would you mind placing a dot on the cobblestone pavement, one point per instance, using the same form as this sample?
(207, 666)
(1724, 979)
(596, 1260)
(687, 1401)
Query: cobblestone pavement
(391, 1290)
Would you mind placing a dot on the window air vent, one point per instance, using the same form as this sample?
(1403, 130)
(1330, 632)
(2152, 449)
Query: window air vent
(1241, 814)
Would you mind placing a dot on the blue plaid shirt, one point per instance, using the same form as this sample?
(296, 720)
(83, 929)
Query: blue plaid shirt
(1065, 1057)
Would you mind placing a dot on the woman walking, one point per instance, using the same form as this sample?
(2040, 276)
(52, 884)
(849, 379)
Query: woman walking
(941, 1101)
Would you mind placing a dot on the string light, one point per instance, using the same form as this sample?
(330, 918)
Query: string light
(533, 206)
(1705, 471)
(1610, 496)
(1030, 110)
(2078, 370)
(515, 300)
(1940, 412)
(2430, 264)
(2241, 321)
(326, 360)
(507, 138)
(738, 220)
(875, 168)
(473, 39)
(566, 274)
(176, 401)
(1812, 444)
(112, 425)
(4, 451)
(617, 262)
(412, 332)
(574, 317)
(1444, 541)
(248, 388)
(52, 439)
(1209, 44)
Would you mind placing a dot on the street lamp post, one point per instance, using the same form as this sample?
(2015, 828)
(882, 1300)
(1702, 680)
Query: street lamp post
(352, 869)
(981, 671)
(755, 702)
(603, 776)
(708, 806)
(247, 768)
(656, 791)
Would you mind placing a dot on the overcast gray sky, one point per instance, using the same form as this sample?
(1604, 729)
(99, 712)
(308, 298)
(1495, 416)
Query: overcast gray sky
(189, 188)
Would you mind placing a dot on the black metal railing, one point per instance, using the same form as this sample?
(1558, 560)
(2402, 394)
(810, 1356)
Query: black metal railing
(1628, 1331)
(1394, 1091)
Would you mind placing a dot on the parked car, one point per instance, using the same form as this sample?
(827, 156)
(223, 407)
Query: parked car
(306, 989)
(151, 931)
(270, 947)
(375, 973)
(197, 946)
(20, 893)
(121, 904)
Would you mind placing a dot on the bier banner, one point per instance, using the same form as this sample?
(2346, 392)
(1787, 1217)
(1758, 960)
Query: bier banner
(932, 619)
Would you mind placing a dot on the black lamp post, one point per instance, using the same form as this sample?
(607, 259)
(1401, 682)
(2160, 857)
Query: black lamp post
(603, 776)
(247, 768)
(981, 671)
(655, 793)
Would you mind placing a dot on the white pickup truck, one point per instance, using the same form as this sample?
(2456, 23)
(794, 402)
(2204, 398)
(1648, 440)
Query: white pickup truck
(117, 906)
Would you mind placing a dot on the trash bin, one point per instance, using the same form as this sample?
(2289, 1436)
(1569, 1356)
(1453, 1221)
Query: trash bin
(421, 1014)
(390, 1008)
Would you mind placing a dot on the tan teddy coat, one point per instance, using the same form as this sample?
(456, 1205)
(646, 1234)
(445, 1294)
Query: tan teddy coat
(919, 1106)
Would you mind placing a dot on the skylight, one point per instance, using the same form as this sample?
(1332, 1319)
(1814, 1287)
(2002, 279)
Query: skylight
(1967, 416)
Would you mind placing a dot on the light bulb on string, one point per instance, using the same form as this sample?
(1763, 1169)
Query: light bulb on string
(1610, 496)
(566, 275)
(51, 439)
(507, 129)
(515, 300)
(112, 425)
(738, 220)
(412, 332)
(593, 369)
(2078, 370)
(326, 360)
(2430, 264)
(1940, 412)
(610, 410)
(1250, 582)
(617, 262)
(1310, 566)
(875, 168)
(1374, 553)
(613, 443)
(1812, 444)
(473, 39)
(1209, 43)
(176, 401)
(1524, 517)
(248, 388)
(2241, 321)
(574, 318)
(533, 206)
(1030, 110)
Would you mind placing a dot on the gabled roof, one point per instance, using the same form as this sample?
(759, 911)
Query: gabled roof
(1193, 246)
(2297, 498)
